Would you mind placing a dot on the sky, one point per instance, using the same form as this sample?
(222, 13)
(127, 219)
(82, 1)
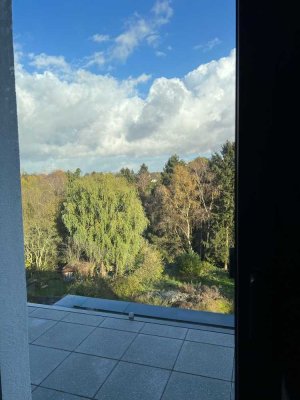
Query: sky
(108, 84)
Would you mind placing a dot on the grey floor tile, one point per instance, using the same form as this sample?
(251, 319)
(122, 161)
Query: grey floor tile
(106, 343)
(37, 326)
(49, 394)
(64, 336)
(30, 309)
(134, 382)
(80, 374)
(154, 351)
(43, 361)
(164, 330)
(206, 360)
(47, 313)
(84, 319)
(122, 324)
(210, 337)
(232, 392)
(191, 387)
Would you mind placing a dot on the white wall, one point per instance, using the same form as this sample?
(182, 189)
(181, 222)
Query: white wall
(14, 358)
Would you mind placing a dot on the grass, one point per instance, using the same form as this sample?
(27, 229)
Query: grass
(46, 284)
(49, 284)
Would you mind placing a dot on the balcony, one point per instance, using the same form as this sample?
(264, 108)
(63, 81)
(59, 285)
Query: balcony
(79, 353)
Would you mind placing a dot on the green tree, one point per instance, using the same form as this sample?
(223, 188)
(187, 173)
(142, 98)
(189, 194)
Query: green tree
(223, 168)
(143, 169)
(72, 176)
(128, 174)
(105, 219)
(169, 168)
(207, 193)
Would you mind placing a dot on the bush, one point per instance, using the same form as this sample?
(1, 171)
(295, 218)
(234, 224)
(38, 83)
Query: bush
(127, 287)
(189, 265)
(207, 268)
(148, 269)
(92, 287)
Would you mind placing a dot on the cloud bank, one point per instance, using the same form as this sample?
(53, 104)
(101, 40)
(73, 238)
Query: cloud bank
(71, 117)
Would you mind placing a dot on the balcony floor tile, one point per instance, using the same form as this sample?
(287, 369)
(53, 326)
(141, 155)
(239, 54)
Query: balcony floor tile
(134, 382)
(154, 351)
(80, 375)
(191, 387)
(206, 360)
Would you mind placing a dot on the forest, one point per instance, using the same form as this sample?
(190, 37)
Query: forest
(154, 237)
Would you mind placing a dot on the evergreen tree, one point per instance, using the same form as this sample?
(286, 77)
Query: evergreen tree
(223, 167)
(143, 169)
(105, 220)
(128, 174)
(169, 167)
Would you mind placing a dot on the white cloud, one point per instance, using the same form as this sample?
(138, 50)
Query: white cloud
(153, 40)
(98, 59)
(97, 122)
(100, 38)
(130, 39)
(209, 45)
(42, 61)
(163, 11)
(160, 54)
(139, 30)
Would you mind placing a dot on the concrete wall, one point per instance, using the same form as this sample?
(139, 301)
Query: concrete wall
(14, 357)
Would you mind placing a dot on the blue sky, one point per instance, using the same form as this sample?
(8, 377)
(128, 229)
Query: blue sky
(137, 64)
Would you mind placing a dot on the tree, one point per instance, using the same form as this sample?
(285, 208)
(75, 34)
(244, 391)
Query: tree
(169, 168)
(143, 183)
(207, 193)
(180, 207)
(143, 169)
(40, 213)
(128, 174)
(223, 167)
(57, 181)
(105, 219)
(72, 176)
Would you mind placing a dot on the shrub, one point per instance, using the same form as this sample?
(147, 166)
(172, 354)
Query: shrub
(189, 265)
(206, 268)
(148, 269)
(149, 265)
(127, 287)
(92, 287)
